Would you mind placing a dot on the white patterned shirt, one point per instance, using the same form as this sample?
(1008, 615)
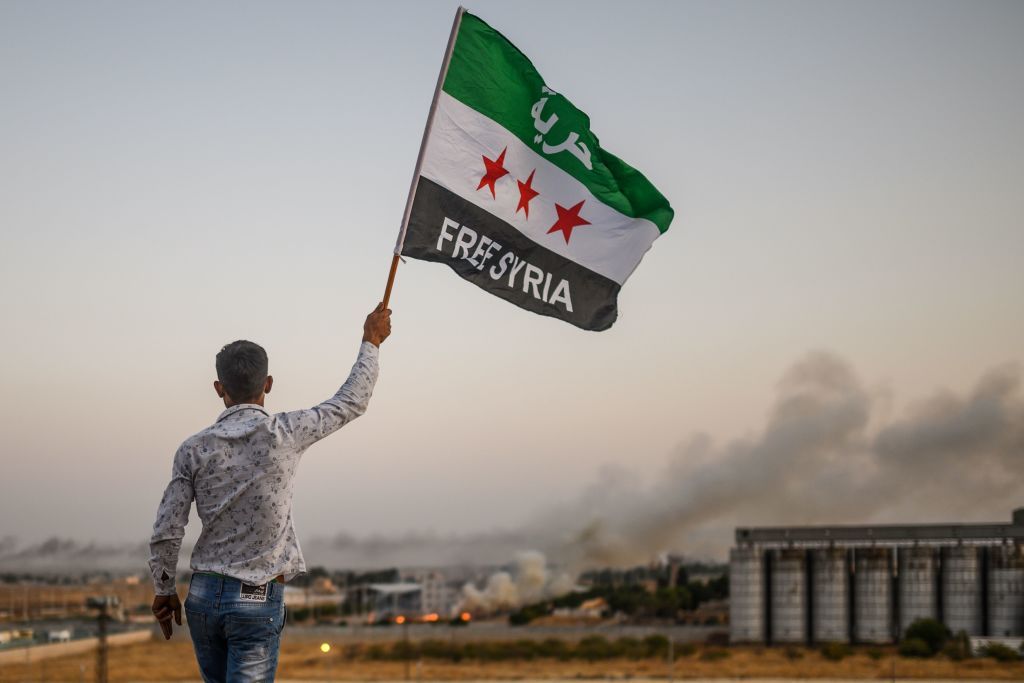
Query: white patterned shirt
(240, 471)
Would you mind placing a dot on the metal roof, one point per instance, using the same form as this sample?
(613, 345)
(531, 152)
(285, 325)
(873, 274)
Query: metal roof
(395, 587)
(880, 534)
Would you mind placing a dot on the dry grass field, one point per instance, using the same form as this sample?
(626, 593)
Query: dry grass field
(19, 602)
(302, 660)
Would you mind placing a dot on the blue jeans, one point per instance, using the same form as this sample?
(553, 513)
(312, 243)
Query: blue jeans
(236, 631)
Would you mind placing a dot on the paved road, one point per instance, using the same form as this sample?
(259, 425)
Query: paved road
(688, 680)
(493, 631)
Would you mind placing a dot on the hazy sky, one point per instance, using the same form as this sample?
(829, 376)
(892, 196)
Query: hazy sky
(847, 176)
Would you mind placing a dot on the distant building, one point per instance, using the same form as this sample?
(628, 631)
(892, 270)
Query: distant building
(12, 635)
(710, 613)
(60, 636)
(592, 609)
(323, 586)
(705, 577)
(421, 593)
(389, 600)
(438, 596)
(867, 584)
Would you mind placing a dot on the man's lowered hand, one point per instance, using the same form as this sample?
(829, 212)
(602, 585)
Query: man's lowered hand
(165, 608)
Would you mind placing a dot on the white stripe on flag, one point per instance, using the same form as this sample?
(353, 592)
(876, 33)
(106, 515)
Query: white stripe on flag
(612, 245)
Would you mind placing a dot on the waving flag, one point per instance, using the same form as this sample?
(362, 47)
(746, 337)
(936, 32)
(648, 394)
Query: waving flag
(515, 193)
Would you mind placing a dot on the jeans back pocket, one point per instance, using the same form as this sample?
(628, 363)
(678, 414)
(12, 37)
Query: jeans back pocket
(253, 636)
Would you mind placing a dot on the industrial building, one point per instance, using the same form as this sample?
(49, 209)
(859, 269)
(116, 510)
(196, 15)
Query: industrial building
(437, 596)
(421, 593)
(866, 584)
(390, 600)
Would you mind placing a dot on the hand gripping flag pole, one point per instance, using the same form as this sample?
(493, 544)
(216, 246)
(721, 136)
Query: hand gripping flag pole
(419, 159)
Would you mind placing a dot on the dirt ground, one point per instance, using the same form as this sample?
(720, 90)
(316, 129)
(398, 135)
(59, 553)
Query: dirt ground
(302, 660)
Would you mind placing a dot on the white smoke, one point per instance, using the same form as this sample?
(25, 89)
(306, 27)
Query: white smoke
(532, 582)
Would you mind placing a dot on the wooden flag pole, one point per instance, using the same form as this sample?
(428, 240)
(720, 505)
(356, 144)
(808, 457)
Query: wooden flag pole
(419, 159)
(391, 280)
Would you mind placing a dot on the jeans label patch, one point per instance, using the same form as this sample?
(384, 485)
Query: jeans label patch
(253, 593)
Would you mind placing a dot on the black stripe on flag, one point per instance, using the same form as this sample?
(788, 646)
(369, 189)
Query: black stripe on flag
(493, 255)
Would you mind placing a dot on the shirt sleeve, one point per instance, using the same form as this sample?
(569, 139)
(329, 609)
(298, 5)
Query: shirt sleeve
(169, 528)
(308, 426)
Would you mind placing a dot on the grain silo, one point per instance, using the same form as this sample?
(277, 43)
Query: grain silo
(917, 570)
(869, 583)
(961, 589)
(1005, 591)
(789, 596)
(830, 595)
(873, 595)
(746, 595)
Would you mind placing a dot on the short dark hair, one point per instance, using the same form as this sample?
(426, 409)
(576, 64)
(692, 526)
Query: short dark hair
(242, 370)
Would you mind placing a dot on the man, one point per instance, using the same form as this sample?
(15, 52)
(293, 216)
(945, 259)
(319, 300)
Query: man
(240, 471)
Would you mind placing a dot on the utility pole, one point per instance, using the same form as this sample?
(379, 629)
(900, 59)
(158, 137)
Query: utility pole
(671, 658)
(103, 604)
(102, 652)
(408, 652)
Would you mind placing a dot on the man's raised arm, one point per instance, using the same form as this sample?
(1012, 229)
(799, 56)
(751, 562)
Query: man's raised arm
(351, 400)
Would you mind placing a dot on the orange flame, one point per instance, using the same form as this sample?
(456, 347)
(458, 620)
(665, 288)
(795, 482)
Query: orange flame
(399, 619)
(465, 616)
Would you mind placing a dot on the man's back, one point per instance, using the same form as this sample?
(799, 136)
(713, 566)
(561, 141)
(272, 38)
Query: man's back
(240, 472)
(243, 469)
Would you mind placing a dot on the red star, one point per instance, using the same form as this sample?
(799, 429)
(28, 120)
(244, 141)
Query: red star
(568, 219)
(493, 170)
(526, 193)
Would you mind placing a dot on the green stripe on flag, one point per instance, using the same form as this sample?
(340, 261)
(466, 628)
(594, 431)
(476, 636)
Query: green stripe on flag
(491, 75)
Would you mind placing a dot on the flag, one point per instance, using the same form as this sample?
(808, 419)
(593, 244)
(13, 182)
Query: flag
(515, 193)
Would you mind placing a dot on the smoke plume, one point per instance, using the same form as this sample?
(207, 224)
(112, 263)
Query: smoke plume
(66, 556)
(531, 582)
(827, 455)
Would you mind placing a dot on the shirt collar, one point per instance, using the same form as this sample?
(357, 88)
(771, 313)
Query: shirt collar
(240, 407)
